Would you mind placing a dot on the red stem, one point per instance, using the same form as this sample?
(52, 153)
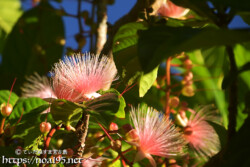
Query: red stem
(110, 138)
(2, 125)
(11, 90)
(168, 82)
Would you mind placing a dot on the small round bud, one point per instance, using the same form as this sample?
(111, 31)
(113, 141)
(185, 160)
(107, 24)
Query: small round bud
(98, 135)
(188, 64)
(132, 136)
(116, 145)
(6, 109)
(188, 91)
(188, 130)
(113, 126)
(174, 101)
(59, 143)
(45, 127)
(81, 40)
(189, 75)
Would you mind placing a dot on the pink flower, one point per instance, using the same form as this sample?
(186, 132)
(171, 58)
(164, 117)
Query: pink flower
(200, 134)
(169, 9)
(37, 86)
(78, 77)
(157, 135)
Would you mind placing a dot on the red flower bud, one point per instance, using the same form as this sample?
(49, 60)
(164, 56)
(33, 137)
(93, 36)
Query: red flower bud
(6, 109)
(116, 145)
(45, 127)
(113, 126)
(174, 101)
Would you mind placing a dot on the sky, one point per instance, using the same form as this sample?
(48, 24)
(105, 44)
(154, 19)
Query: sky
(115, 11)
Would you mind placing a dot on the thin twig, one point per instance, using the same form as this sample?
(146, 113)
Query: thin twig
(168, 83)
(79, 16)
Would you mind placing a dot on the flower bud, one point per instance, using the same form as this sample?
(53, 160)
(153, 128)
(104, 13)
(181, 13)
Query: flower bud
(6, 109)
(132, 136)
(59, 143)
(116, 145)
(174, 101)
(189, 75)
(98, 135)
(188, 130)
(188, 64)
(188, 91)
(113, 126)
(45, 127)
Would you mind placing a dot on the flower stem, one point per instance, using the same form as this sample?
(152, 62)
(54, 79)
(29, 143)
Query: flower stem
(47, 141)
(168, 83)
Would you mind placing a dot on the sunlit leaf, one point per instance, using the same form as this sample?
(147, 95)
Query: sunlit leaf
(10, 11)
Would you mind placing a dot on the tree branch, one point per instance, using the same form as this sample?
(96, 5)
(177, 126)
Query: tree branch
(101, 34)
(81, 132)
(233, 96)
(130, 17)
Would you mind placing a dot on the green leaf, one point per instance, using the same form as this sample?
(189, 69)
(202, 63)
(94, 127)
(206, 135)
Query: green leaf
(33, 44)
(232, 77)
(4, 96)
(63, 111)
(159, 42)
(221, 131)
(241, 57)
(208, 70)
(146, 81)
(29, 127)
(10, 11)
(108, 106)
(25, 106)
(125, 51)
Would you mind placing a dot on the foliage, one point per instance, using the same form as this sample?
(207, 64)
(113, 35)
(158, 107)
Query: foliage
(192, 68)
